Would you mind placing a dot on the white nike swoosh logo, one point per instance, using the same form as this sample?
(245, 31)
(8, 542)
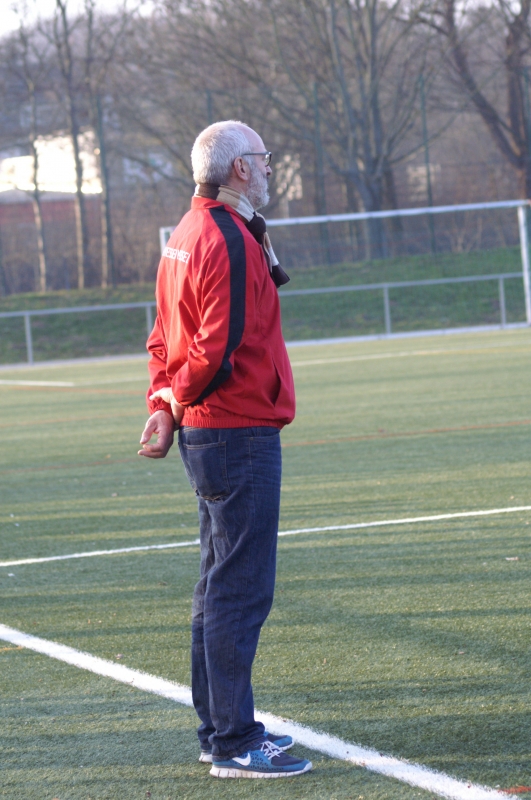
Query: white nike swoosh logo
(243, 761)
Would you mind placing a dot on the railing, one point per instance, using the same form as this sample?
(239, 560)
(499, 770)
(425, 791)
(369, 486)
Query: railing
(521, 207)
(44, 312)
(384, 287)
(501, 277)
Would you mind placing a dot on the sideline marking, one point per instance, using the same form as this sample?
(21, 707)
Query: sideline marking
(408, 520)
(98, 553)
(352, 526)
(79, 388)
(487, 349)
(301, 343)
(404, 771)
(376, 337)
(72, 384)
(73, 362)
(36, 383)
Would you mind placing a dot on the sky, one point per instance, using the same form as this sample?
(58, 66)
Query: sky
(43, 8)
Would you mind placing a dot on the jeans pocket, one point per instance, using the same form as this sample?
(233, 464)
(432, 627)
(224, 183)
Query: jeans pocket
(206, 467)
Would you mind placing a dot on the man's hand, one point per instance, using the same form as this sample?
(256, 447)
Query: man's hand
(176, 408)
(162, 425)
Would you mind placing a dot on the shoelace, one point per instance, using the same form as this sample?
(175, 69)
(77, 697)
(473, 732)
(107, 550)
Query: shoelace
(270, 750)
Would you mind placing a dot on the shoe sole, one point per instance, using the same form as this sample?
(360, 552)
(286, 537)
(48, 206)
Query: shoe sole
(206, 758)
(230, 772)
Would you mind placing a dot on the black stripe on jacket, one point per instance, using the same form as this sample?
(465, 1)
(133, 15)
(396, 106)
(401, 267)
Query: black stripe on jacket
(237, 260)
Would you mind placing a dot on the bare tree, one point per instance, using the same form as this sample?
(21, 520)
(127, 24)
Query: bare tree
(159, 109)
(102, 38)
(338, 77)
(30, 63)
(488, 51)
(33, 68)
(62, 34)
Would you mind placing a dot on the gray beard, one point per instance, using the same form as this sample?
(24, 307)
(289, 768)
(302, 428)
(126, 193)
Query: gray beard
(257, 191)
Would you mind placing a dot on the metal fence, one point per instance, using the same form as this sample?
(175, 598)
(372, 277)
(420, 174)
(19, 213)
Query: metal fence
(500, 278)
(330, 241)
(45, 312)
(384, 287)
(521, 207)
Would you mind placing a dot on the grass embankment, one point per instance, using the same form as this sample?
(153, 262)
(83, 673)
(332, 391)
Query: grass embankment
(412, 639)
(338, 314)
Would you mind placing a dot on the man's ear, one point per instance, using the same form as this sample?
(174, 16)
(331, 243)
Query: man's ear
(241, 169)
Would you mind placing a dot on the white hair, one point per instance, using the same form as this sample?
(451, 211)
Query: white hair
(216, 148)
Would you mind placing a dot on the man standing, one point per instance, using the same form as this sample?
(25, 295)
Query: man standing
(220, 373)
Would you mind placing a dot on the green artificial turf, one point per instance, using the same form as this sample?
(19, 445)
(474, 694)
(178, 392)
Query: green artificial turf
(412, 639)
(304, 317)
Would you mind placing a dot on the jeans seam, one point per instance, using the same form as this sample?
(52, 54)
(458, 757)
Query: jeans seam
(246, 582)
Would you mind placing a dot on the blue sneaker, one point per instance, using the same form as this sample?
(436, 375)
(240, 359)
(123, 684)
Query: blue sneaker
(282, 741)
(268, 761)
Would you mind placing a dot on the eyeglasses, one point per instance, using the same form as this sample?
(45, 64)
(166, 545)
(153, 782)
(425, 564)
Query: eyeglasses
(267, 156)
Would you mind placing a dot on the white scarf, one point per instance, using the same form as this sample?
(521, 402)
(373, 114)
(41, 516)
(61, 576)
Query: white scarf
(254, 221)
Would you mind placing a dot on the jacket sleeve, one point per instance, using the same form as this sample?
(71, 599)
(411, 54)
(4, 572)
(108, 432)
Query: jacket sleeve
(156, 345)
(222, 302)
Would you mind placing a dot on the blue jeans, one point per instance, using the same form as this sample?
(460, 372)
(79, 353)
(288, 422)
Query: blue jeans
(236, 474)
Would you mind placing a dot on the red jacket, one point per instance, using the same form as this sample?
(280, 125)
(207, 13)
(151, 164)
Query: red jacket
(217, 339)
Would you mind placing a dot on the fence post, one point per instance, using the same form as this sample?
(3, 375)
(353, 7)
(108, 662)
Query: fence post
(387, 310)
(149, 319)
(162, 239)
(29, 342)
(501, 294)
(524, 249)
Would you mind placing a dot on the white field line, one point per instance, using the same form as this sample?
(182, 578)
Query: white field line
(97, 553)
(407, 520)
(376, 337)
(401, 770)
(353, 526)
(488, 349)
(307, 343)
(36, 383)
(78, 384)
(72, 362)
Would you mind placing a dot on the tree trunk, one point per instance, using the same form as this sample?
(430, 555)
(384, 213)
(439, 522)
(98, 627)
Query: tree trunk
(80, 211)
(37, 214)
(391, 201)
(357, 230)
(372, 201)
(64, 51)
(107, 254)
(36, 194)
(37, 208)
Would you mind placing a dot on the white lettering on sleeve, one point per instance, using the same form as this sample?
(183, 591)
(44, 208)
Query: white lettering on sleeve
(176, 255)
